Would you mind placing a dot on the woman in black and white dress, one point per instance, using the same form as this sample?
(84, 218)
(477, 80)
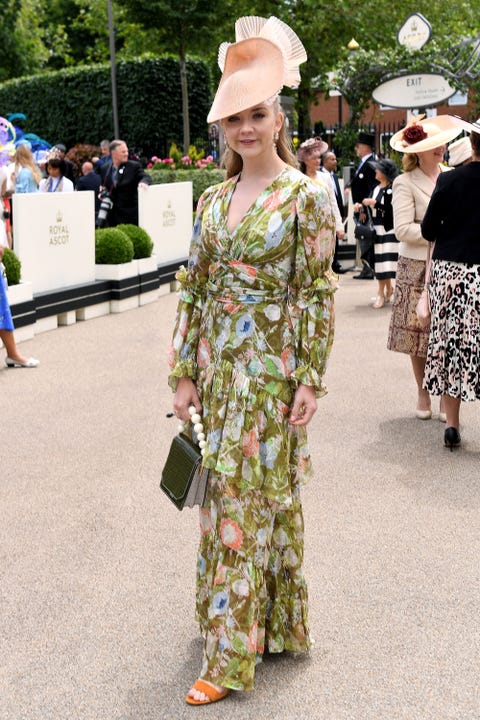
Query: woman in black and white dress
(386, 244)
(452, 219)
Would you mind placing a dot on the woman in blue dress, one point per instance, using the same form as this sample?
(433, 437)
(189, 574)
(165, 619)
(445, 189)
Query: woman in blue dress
(14, 358)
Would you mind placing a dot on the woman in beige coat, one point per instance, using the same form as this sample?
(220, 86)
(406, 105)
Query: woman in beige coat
(423, 143)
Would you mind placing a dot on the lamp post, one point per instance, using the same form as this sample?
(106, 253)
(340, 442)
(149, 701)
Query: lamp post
(113, 70)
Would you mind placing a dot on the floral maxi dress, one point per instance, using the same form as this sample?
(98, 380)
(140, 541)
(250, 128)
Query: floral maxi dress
(255, 319)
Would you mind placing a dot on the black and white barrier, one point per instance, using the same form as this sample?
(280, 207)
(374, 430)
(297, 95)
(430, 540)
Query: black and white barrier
(54, 238)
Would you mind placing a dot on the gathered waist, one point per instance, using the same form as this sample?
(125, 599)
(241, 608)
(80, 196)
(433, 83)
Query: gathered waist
(240, 294)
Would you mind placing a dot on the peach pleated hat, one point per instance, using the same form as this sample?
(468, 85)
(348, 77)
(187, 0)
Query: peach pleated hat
(265, 57)
(422, 134)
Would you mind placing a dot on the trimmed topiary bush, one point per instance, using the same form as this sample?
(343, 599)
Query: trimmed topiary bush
(142, 242)
(112, 247)
(13, 267)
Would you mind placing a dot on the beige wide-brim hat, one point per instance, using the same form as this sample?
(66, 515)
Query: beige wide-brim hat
(265, 57)
(307, 147)
(439, 130)
(459, 151)
(467, 126)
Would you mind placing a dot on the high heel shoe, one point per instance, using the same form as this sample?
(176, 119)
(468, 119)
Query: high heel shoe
(379, 302)
(423, 414)
(451, 438)
(30, 363)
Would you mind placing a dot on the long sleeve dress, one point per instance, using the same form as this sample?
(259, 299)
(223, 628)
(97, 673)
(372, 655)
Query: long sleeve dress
(385, 243)
(255, 319)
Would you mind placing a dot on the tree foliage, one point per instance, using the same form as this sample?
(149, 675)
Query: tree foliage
(37, 35)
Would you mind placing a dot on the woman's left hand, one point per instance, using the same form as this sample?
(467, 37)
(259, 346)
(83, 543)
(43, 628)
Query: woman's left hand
(304, 405)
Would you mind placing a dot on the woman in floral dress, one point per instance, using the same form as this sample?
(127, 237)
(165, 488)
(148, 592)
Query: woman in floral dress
(253, 332)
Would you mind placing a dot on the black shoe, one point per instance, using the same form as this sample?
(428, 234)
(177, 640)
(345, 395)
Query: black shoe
(451, 438)
(337, 268)
(366, 274)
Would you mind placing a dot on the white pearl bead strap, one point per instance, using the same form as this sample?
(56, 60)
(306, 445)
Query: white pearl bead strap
(198, 428)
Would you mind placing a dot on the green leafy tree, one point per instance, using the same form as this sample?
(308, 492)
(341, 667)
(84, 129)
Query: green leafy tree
(183, 26)
(22, 49)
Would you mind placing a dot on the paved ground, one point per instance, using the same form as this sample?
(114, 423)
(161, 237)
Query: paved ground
(97, 569)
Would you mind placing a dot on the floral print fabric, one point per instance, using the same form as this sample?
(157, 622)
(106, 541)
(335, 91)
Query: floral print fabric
(251, 593)
(255, 319)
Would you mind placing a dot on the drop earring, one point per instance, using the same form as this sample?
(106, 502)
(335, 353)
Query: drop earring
(275, 139)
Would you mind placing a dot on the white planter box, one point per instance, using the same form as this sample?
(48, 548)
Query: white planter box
(20, 293)
(146, 265)
(119, 306)
(116, 272)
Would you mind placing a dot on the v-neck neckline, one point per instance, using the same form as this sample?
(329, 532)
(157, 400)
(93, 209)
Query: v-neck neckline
(253, 204)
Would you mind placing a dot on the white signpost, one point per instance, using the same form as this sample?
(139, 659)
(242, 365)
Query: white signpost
(55, 238)
(420, 90)
(166, 213)
(412, 91)
(415, 32)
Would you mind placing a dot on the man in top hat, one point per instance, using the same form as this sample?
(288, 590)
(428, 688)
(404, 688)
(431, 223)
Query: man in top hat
(363, 181)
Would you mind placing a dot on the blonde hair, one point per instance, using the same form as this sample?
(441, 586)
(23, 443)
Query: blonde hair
(233, 162)
(409, 162)
(24, 158)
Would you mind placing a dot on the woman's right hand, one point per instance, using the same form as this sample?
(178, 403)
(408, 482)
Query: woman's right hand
(186, 395)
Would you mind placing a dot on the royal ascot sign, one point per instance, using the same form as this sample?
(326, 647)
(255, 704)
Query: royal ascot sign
(415, 32)
(54, 235)
(165, 212)
(413, 91)
(416, 90)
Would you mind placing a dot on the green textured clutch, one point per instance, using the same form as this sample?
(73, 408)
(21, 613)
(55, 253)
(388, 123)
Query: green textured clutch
(184, 480)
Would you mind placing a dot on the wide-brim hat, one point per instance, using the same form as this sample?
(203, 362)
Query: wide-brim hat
(467, 126)
(265, 57)
(459, 151)
(386, 166)
(307, 147)
(421, 135)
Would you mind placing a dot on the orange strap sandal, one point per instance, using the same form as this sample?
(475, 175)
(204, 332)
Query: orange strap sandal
(212, 694)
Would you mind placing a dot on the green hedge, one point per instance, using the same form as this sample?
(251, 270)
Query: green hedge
(112, 247)
(200, 179)
(13, 267)
(142, 242)
(74, 105)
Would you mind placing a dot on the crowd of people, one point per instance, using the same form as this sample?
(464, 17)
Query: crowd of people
(111, 176)
(407, 215)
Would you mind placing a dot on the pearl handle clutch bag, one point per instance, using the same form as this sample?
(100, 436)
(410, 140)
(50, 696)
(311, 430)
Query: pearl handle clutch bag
(184, 480)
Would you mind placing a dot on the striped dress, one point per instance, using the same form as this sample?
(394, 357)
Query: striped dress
(386, 244)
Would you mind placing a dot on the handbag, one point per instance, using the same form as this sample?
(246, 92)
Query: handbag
(184, 479)
(423, 308)
(365, 234)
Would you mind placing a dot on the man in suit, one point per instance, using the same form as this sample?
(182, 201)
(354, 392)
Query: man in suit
(363, 182)
(121, 179)
(89, 180)
(329, 166)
